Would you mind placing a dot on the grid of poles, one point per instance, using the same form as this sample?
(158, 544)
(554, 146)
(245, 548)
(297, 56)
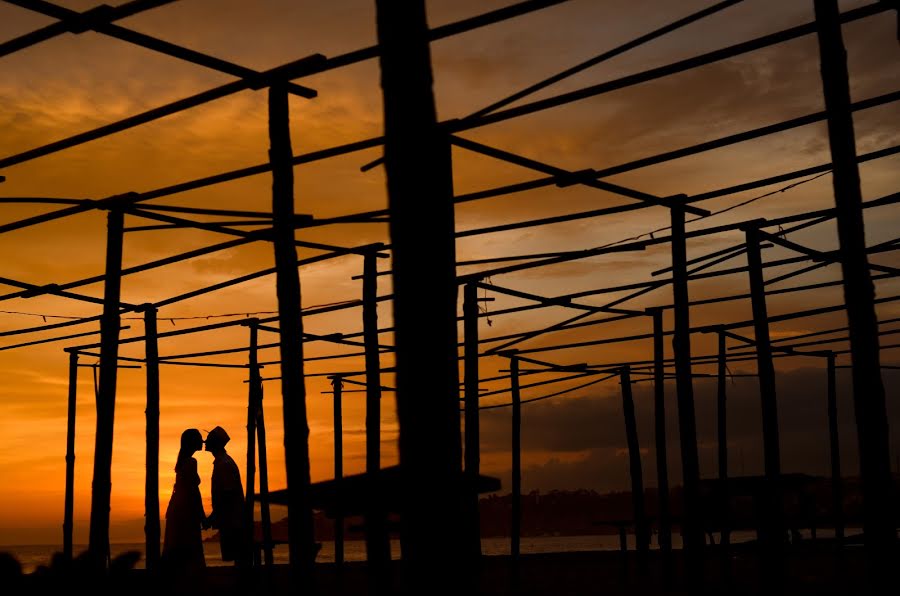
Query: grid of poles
(417, 159)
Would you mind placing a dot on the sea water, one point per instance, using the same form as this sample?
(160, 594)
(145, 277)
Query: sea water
(32, 556)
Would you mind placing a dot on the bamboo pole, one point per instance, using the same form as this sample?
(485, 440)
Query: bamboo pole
(664, 535)
(771, 527)
(418, 164)
(378, 546)
(254, 387)
(879, 518)
(301, 541)
(472, 434)
(687, 423)
(722, 436)
(101, 486)
(265, 513)
(151, 488)
(837, 488)
(338, 386)
(771, 531)
(516, 526)
(70, 457)
(641, 529)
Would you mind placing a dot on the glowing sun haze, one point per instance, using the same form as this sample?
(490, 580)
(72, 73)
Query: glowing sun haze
(75, 83)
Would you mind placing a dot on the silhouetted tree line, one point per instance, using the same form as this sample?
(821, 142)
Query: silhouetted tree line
(587, 512)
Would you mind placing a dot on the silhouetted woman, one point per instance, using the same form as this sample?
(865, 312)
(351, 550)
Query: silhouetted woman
(183, 545)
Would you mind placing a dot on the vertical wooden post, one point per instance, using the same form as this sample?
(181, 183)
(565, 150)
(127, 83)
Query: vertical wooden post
(684, 384)
(253, 399)
(101, 486)
(70, 457)
(659, 419)
(722, 432)
(337, 385)
(772, 528)
(516, 525)
(837, 489)
(378, 546)
(264, 510)
(151, 488)
(420, 202)
(641, 531)
(473, 433)
(301, 541)
(859, 292)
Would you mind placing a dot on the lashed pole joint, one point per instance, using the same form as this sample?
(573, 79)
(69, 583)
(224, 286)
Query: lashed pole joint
(100, 19)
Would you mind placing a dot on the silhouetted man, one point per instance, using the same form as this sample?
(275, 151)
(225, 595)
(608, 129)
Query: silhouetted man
(227, 500)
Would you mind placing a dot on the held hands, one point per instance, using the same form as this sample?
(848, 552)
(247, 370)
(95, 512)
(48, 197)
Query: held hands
(209, 521)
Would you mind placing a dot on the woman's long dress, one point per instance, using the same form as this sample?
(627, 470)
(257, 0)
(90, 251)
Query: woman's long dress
(183, 544)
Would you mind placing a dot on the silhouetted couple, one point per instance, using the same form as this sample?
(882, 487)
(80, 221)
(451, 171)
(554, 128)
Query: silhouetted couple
(183, 557)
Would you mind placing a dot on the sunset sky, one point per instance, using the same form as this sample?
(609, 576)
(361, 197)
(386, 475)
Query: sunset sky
(75, 83)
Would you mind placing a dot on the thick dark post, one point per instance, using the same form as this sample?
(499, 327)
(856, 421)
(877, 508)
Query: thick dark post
(722, 432)
(659, 419)
(378, 546)
(772, 527)
(101, 486)
(253, 399)
(473, 433)
(70, 457)
(302, 546)
(264, 510)
(641, 531)
(151, 487)
(837, 489)
(516, 525)
(859, 292)
(420, 202)
(338, 385)
(687, 422)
